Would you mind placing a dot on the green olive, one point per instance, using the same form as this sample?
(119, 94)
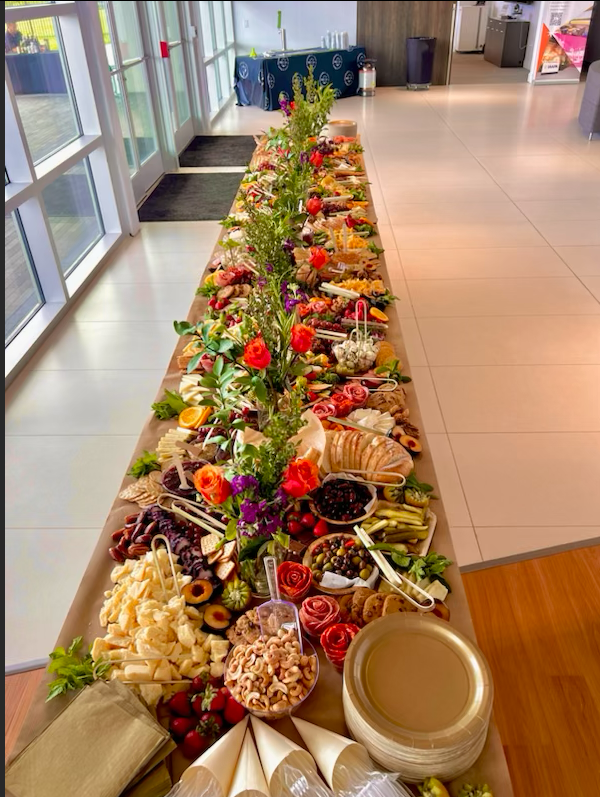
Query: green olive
(327, 567)
(356, 560)
(320, 558)
(364, 573)
(340, 551)
(317, 575)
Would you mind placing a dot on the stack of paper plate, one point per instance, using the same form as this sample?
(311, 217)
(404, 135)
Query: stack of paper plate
(418, 695)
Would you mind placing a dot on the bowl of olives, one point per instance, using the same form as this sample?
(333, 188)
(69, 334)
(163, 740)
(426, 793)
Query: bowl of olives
(342, 554)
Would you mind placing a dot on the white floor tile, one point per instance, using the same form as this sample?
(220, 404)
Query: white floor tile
(64, 482)
(143, 302)
(80, 402)
(108, 345)
(43, 570)
(465, 545)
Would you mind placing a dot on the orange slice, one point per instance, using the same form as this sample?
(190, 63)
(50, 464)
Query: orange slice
(379, 315)
(192, 417)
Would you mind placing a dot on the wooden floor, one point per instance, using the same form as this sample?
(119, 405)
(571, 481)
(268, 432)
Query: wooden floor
(538, 622)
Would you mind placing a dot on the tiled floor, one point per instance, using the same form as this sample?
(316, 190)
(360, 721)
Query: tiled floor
(489, 203)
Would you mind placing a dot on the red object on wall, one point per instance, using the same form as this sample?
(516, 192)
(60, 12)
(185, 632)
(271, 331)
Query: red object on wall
(164, 50)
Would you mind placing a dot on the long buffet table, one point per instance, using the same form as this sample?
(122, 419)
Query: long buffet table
(324, 707)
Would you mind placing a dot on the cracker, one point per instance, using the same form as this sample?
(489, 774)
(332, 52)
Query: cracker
(373, 607)
(208, 543)
(215, 556)
(228, 551)
(224, 569)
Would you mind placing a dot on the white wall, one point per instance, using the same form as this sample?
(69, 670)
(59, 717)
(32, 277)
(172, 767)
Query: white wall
(255, 23)
(532, 41)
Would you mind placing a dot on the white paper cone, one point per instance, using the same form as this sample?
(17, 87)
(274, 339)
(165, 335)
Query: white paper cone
(219, 760)
(248, 778)
(274, 748)
(330, 750)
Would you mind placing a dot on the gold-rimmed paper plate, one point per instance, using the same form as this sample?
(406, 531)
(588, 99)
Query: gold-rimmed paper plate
(418, 695)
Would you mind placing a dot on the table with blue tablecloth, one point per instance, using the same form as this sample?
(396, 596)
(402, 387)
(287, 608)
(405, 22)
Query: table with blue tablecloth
(261, 80)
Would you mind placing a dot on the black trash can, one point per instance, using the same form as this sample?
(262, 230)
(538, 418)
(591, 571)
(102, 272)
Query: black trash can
(419, 62)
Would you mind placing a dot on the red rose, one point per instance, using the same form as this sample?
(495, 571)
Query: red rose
(316, 159)
(212, 484)
(342, 403)
(300, 477)
(314, 206)
(302, 338)
(318, 257)
(294, 580)
(318, 613)
(336, 640)
(256, 354)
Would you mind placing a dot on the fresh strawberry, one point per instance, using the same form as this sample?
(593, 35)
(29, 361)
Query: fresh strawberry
(199, 684)
(179, 726)
(312, 396)
(213, 699)
(308, 520)
(194, 744)
(179, 704)
(293, 517)
(211, 723)
(234, 712)
(321, 528)
(294, 527)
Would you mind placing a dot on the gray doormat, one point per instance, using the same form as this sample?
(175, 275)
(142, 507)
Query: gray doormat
(191, 197)
(218, 151)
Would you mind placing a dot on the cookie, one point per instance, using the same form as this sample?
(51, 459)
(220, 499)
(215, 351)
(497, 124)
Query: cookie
(359, 596)
(393, 603)
(373, 607)
(345, 603)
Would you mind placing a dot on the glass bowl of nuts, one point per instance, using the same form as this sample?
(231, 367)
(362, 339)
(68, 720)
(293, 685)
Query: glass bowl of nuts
(272, 677)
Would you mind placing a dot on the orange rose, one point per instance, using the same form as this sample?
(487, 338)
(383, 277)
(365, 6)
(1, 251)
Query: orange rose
(302, 338)
(212, 484)
(300, 477)
(256, 354)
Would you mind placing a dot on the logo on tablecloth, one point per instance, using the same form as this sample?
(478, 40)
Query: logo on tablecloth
(271, 80)
(283, 95)
(349, 77)
(337, 61)
(283, 63)
(337, 93)
(311, 60)
(266, 103)
(324, 78)
(243, 70)
(261, 77)
(360, 59)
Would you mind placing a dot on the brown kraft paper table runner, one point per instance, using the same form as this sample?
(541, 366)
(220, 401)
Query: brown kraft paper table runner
(325, 705)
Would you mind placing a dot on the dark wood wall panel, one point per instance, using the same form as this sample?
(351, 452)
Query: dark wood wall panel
(384, 26)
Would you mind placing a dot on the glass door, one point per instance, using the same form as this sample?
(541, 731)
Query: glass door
(176, 72)
(128, 64)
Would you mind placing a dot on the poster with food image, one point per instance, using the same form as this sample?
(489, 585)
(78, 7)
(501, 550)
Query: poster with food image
(563, 39)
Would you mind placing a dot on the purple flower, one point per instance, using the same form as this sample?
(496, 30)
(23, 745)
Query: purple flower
(268, 267)
(284, 287)
(290, 303)
(248, 511)
(288, 245)
(240, 484)
(261, 282)
(304, 157)
(285, 106)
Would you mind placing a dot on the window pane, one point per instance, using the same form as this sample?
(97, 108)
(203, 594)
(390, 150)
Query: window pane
(142, 116)
(206, 25)
(173, 32)
(73, 215)
(224, 77)
(8, 4)
(22, 294)
(219, 24)
(181, 90)
(42, 87)
(228, 21)
(110, 51)
(117, 88)
(213, 95)
(128, 30)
